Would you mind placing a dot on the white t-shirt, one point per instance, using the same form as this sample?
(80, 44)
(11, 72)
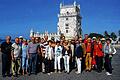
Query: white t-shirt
(16, 50)
(58, 50)
(49, 52)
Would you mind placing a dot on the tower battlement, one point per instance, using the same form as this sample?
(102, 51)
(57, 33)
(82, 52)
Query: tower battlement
(69, 23)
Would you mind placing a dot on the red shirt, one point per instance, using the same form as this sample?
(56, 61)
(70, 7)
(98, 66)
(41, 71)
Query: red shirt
(85, 41)
(88, 48)
(98, 50)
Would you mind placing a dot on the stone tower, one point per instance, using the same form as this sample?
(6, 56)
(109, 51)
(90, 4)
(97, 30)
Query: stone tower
(31, 33)
(69, 20)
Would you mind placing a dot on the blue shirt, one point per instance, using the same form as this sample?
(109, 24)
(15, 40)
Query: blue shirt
(24, 50)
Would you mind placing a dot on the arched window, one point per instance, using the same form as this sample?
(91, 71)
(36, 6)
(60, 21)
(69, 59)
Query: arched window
(67, 12)
(66, 18)
(67, 24)
(66, 31)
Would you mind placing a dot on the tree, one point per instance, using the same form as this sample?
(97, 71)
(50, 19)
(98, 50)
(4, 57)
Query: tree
(119, 33)
(113, 36)
(106, 35)
(91, 35)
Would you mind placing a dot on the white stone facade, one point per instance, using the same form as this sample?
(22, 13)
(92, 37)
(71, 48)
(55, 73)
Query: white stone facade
(50, 35)
(69, 23)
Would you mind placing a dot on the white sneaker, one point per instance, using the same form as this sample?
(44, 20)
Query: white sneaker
(108, 73)
(77, 72)
(48, 74)
(43, 70)
(55, 71)
(59, 71)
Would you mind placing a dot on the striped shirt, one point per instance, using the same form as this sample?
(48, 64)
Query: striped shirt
(44, 45)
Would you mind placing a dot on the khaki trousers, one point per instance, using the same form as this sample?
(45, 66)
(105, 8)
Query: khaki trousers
(88, 61)
(16, 66)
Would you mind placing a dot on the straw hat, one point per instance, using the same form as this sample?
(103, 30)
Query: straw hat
(94, 38)
(103, 39)
(88, 39)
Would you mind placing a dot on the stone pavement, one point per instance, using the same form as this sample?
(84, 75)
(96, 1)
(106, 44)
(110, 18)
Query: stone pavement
(72, 76)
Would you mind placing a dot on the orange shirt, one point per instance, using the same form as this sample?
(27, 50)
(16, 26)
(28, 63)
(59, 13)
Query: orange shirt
(88, 48)
(97, 50)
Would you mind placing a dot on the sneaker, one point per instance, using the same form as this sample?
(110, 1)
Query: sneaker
(48, 74)
(3, 76)
(18, 73)
(108, 73)
(59, 71)
(77, 72)
(86, 70)
(43, 70)
(29, 74)
(35, 73)
(65, 71)
(89, 70)
(14, 75)
(55, 71)
(99, 71)
(9, 75)
(68, 72)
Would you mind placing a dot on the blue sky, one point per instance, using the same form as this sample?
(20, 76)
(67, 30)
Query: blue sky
(17, 17)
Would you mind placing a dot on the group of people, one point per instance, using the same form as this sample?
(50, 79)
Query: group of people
(48, 56)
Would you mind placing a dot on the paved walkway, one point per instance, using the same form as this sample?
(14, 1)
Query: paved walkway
(72, 76)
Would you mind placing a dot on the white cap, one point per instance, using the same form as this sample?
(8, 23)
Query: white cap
(103, 39)
(94, 38)
(20, 36)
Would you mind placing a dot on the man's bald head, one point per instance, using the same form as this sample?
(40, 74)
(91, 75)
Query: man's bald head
(8, 38)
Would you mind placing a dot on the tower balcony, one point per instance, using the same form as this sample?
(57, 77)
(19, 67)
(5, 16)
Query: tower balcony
(68, 14)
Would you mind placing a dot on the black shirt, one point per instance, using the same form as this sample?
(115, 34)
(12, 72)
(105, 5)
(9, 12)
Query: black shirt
(6, 48)
(79, 51)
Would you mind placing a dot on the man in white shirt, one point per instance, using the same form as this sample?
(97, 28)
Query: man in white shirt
(16, 50)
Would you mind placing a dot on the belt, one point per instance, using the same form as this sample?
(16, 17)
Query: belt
(32, 53)
(66, 54)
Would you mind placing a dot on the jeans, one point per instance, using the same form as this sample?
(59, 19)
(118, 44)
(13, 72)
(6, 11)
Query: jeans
(49, 65)
(57, 62)
(79, 65)
(39, 63)
(83, 64)
(108, 66)
(32, 62)
(24, 63)
(6, 64)
(99, 62)
(66, 63)
(62, 64)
